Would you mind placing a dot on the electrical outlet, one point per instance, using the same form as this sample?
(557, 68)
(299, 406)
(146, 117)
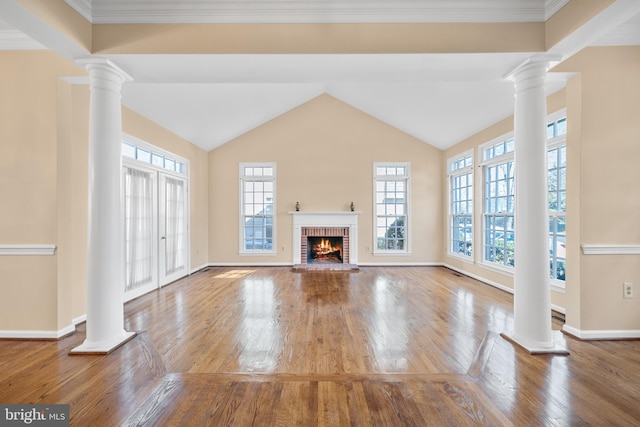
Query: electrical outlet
(627, 289)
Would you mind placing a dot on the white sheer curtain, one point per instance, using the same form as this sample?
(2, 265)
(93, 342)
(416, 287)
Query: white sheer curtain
(138, 228)
(174, 225)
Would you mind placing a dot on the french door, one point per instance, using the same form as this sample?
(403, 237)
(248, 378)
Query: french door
(155, 205)
(173, 228)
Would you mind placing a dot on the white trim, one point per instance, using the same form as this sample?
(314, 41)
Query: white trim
(551, 7)
(401, 264)
(34, 335)
(495, 159)
(558, 309)
(87, 63)
(250, 264)
(479, 278)
(611, 249)
(283, 11)
(558, 286)
(274, 231)
(602, 334)
(79, 319)
(33, 250)
(324, 219)
(554, 307)
(450, 176)
(557, 115)
(195, 270)
(11, 39)
(133, 140)
(83, 7)
(407, 215)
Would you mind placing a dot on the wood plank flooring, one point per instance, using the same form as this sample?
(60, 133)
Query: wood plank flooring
(402, 346)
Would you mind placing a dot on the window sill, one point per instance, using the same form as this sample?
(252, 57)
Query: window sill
(558, 286)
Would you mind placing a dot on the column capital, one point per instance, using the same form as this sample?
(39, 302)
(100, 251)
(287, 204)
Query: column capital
(106, 64)
(536, 61)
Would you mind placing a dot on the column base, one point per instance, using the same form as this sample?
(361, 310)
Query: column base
(559, 346)
(102, 348)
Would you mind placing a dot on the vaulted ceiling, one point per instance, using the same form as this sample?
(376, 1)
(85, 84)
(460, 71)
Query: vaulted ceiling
(209, 90)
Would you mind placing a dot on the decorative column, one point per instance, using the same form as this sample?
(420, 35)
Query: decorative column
(532, 289)
(105, 280)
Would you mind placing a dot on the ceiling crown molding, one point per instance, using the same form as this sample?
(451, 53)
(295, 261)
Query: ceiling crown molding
(83, 7)
(551, 7)
(314, 11)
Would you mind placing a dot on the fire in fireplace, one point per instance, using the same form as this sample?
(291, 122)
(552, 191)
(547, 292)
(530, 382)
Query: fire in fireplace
(324, 250)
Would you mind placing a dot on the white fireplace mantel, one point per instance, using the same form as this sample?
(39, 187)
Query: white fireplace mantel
(325, 219)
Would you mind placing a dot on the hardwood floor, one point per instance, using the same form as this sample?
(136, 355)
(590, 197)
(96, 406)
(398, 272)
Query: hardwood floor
(260, 346)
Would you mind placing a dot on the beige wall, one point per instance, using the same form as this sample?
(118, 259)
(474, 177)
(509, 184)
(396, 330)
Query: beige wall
(568, 19)
(319, 38)
(605, 98)
(44, 189)
(324, 151)
(555, 102)
(29, 186)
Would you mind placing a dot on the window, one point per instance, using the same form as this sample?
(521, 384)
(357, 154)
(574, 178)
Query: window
(499, 202)
(557, 196)
(152, 157)
(461, 205)
(257, 188)
(391, 192)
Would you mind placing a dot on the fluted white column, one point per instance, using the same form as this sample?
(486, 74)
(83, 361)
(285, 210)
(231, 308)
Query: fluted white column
(105, 289)
(532, 288)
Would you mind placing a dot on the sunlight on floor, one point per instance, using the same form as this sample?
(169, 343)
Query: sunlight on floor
(234, 274)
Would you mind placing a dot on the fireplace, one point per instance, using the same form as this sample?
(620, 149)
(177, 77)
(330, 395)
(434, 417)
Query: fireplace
(322, 250)
(325, 240)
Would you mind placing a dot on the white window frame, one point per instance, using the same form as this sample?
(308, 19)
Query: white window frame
(557, 142)
(500, 159)
(407, 206)
(137, 143)
(244, 178)
(136, 163)
(465, 169)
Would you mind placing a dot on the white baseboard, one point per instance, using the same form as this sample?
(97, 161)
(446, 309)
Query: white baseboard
(289, 264)
(400, 264)
(601, 334)
(79, 319)
(195, 270)
(479, 278)
(558, 309)
(554, 307)
(250, 264)
(33, 335)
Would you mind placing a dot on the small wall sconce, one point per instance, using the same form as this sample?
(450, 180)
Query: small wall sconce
(352, 207)
(297, 206)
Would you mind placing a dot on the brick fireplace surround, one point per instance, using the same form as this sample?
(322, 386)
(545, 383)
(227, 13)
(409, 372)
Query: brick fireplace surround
(325, 224)
(307, 232)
